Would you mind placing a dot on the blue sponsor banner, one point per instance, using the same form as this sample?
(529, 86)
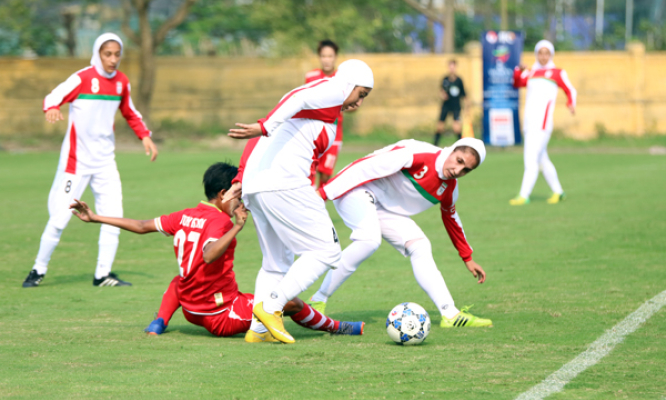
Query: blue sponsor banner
(501, 54)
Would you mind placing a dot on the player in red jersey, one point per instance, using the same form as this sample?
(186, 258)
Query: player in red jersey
(204, 243)
(328, 54)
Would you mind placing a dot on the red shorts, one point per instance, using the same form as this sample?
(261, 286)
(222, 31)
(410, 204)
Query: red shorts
(328, 159)
(236, 319)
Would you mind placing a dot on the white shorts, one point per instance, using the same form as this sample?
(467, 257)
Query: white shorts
(106, 188)
(368, 220)
(291, 223)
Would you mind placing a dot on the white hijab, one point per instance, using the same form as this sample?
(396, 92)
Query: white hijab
(96, 61)
(352, 73)
(476, 144)
(540, 45)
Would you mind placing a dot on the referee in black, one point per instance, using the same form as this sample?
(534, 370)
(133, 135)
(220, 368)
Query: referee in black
(452, 91)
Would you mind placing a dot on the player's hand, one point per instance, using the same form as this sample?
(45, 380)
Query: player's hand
(151, 149)
(572, 109)
(522, 67)
(234, 192)
(53, 115)
(476, 270)
(81, 210)
(240, 213)
(245, 131)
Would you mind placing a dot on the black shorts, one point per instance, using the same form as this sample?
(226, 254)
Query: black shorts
(446, 109)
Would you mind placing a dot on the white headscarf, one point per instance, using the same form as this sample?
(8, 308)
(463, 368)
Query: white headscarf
(352, 73)
(96, 61)
(540, 45)
(476, 144)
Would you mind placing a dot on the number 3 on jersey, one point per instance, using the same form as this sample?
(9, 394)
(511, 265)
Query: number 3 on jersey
(179, 241)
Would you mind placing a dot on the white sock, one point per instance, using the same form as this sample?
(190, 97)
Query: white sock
(352, 257)
(108, 245)
(265, 282)
(429, 277)
(550, 173)
(48, 243)
(302, 274)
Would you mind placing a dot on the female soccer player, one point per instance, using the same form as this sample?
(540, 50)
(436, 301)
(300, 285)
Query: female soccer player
(328, 54)
(289, 217)
(377, 195)
(542, 82)
(87, 157)
(206, 288)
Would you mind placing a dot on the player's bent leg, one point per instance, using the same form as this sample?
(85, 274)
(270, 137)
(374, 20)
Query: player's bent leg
(170, 304)
(65, 187)
(429, 277)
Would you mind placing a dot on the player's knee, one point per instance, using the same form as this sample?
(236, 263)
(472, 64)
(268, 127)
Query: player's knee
(330, 255)
(418, 247)
(109, 230)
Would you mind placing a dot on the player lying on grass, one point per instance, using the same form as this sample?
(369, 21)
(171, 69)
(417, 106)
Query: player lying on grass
(204, 242)
(376, 195)
(87, 156)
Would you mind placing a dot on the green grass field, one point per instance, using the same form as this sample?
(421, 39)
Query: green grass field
(558, 278)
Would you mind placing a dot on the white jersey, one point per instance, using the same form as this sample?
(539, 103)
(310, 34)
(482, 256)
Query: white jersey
(296, 132)
(405, 178)
(90, 143)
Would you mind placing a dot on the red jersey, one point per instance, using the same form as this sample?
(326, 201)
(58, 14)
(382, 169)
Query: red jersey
(204, 289)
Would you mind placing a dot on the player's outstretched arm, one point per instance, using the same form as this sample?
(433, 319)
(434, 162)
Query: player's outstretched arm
(214, 250)
(245, 131)
(85, 214)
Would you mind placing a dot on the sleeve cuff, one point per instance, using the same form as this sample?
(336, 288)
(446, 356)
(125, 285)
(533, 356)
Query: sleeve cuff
(467, 259)
(264, 132)
(52, 108)
(322, 193)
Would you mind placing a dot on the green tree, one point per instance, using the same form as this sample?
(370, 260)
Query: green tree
(28, 25)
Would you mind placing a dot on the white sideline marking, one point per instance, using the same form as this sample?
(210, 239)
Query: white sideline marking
(597, 350)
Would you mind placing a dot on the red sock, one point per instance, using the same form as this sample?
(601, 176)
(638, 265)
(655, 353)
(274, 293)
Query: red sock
(310, 318)
(170, 302)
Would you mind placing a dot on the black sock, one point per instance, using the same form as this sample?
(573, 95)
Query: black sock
(437, 137)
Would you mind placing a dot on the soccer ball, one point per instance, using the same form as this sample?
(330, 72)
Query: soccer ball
(408, 324)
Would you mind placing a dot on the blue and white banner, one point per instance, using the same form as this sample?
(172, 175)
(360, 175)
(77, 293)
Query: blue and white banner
(501, 54)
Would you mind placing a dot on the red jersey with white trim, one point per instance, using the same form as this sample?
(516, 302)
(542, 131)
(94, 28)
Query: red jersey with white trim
(542, 87)
(406, 178)
(297, 131)
(203, 288)
(89, 143)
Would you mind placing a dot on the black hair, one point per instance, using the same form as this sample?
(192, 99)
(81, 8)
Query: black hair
(218, 177)
(327, 43)
(472, 151)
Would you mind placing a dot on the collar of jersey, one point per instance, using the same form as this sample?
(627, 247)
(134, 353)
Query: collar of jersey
(210, 205)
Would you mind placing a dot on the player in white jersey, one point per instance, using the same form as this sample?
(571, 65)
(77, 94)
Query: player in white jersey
(289, 216)
(377, 195)
(87, 157)
(542, 82)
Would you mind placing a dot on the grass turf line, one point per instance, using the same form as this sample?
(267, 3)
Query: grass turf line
(558, 278)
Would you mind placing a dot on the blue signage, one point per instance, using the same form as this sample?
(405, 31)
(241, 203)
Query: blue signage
(501, 54)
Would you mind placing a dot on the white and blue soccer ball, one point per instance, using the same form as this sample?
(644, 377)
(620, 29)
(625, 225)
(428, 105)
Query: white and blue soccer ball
(408, 324)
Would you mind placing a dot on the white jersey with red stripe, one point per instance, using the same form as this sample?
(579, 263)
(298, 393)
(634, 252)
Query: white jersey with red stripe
(542, 87)
(89, 143)
(296, 132)
(406, 179)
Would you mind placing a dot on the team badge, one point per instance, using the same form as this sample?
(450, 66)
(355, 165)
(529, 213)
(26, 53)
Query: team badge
(119, 87)
(548, 74)
(441, 189)
(94, 85)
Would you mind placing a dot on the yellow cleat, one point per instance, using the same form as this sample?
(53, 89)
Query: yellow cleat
(254, 337)
(555, 198)
(273, 322)
(465, 319)
(519, 201)
(318, 305)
